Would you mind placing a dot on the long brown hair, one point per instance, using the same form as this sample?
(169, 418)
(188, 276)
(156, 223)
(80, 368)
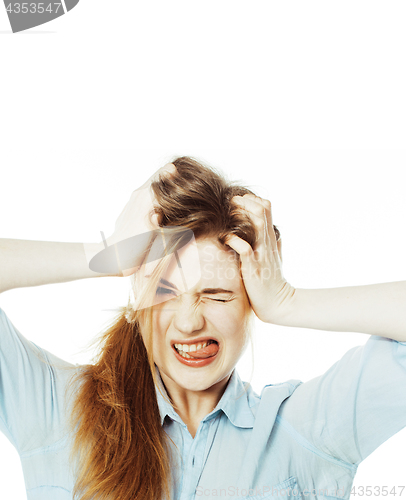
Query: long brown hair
(119, 447)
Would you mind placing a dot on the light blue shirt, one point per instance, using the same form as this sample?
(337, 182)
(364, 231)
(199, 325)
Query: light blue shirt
(295, 439)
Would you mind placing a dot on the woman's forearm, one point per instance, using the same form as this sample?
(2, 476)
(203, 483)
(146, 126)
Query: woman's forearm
(31, 263)
(378, 309)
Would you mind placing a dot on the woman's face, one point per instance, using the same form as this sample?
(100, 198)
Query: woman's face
(212, 310)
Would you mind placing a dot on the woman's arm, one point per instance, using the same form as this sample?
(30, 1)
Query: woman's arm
(31, 263)
(373, 309)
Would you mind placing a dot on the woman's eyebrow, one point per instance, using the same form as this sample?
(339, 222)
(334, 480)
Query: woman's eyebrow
(210, 291)
(215, 290)
(167, 283)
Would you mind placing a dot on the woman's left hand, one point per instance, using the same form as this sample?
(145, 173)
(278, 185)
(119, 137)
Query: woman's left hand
(269, 293)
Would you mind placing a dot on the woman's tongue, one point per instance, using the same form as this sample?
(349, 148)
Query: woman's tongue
(205, 352)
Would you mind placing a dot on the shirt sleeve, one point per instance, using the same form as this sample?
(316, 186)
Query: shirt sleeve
(31, 391)
(356, 405)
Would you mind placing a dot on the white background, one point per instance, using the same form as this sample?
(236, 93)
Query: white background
(341, 217)
(302, 101)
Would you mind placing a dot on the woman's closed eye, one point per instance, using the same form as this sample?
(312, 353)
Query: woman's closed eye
(167, 291)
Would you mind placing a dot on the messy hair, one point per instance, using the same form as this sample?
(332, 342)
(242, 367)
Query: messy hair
(119, 448)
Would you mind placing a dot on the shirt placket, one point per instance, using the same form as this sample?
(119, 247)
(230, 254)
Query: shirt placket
(195, 455)
(193, 459)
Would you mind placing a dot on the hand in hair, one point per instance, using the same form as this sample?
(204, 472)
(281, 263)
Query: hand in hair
(261, 267)
(138, 218)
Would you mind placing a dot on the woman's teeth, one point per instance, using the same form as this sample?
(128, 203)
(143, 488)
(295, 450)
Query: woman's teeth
(184, 354)
(190, 347)
(183, 349)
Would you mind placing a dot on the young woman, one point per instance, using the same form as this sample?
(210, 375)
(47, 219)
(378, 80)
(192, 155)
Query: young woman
(162, 412)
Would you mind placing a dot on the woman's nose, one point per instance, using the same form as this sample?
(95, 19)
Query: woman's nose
(188, 317)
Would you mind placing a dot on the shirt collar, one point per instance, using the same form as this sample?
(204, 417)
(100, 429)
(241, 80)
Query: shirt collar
(235, 402)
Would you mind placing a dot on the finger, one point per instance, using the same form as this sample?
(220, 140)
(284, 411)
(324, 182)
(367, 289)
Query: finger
(259, 210)
(261, 225)
(251, 202)
(155, 220)
(263, 201)
(256, 213)
(164, 172)
(279, 243)
(170, 167)
(268, 212)
(266, 204)
(167, 170)
(246, 254)
(242, 248)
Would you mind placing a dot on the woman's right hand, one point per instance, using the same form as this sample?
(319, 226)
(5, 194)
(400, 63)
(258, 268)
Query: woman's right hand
(137, 218)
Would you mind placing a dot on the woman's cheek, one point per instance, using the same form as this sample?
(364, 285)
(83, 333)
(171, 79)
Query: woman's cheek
(225, 320)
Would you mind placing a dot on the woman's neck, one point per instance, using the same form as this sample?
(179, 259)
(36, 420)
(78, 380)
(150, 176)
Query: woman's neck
(193, 406)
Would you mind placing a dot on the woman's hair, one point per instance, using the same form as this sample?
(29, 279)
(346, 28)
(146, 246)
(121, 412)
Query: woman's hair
(119, 447)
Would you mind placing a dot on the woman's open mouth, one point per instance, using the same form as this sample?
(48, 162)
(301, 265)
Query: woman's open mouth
(199, 354)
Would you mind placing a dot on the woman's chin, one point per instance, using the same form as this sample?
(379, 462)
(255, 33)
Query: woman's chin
(194, 383)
